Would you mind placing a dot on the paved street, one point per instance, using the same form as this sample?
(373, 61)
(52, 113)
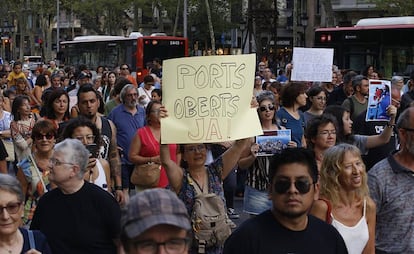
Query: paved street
(238, 206)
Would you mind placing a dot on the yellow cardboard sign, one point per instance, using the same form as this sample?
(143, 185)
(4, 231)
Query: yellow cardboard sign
(208, 99)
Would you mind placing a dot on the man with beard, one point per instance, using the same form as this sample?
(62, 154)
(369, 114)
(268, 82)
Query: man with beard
(358, 102)
(128, 117)
(88, 103)
(287, 227)
(390, 184)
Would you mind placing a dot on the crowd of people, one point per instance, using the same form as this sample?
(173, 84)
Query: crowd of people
(72, 138)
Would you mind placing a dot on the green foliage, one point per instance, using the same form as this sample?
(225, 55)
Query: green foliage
(220, 12)
(395, 7)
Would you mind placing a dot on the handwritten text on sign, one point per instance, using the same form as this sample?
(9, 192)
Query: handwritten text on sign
(209, 96)
(312, 64)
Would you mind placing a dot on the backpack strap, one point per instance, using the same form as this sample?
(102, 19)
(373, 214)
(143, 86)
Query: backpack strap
(351, 106)
(328, 218)
(32, 242)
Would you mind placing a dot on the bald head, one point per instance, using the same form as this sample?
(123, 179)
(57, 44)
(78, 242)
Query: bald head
(395, 96)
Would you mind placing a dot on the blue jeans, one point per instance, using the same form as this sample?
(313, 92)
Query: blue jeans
(255, 201)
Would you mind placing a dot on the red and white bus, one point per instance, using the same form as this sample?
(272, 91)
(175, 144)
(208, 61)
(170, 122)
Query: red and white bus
(385, 43)
(112, 51)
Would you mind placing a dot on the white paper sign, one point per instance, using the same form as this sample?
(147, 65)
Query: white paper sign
(312, 64)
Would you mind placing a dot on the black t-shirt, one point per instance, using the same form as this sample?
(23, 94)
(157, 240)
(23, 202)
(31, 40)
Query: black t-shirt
(86, 221)
(370, 128)
(264, 234)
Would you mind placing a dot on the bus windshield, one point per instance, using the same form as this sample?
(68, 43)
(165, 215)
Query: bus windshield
(382, 42)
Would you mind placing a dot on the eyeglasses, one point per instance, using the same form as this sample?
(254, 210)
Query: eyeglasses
(327, 132)
(89, 138)
(320, 98)
(282, 186)
(193, 149)
(264, 108)
(11, 208)
(132, 95)
(55, 162)
(173, 246)
(48, 136)
(125, 68)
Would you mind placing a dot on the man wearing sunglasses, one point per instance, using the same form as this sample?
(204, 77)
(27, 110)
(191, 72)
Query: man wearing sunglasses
(287, 227)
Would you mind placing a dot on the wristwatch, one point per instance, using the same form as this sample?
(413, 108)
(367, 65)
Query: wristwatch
(390, 125)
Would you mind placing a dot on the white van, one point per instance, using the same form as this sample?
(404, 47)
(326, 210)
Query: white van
(34, 62)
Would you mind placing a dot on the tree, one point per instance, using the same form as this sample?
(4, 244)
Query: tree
(395, 7)
(330, 20)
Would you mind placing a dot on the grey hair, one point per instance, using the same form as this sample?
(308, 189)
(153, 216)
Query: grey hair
(10, 184)
(265, 95)
(396, 79)
(76, 153)
(124, 90)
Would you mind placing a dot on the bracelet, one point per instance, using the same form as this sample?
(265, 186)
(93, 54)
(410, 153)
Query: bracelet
(118, 187)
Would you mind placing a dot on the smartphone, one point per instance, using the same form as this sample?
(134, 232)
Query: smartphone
(93, 150)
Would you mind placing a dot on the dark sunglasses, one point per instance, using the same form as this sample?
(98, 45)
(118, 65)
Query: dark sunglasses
(282, 186)
(48, 136)
(264, 108)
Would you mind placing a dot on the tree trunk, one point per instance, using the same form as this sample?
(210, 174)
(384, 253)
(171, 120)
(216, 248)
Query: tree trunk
(177, 12)
(210, 26)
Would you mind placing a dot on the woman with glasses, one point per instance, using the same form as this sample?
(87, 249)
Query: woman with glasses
(13, 238)
(33, 171)
(344, 199)
(320, 135)
(145, 147)
(317, 103)
(256, 190)
(291, 117)
(193, 177)
(98, 171)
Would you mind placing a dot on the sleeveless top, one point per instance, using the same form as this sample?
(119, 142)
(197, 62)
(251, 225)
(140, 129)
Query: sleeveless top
(355, 237)
(150, 147)
(101, 179)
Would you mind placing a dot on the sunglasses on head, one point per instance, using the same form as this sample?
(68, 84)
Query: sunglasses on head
(48, 136)
(282, 186)
(264, 108)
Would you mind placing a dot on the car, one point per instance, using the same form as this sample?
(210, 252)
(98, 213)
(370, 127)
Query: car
(33, 61)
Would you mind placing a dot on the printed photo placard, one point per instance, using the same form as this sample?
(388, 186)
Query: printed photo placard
(272, 142)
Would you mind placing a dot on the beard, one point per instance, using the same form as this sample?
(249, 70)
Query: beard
(131, 104)
(409, 145)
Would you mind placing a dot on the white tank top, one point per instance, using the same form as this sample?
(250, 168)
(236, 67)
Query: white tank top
(355, 237)
(101, 179)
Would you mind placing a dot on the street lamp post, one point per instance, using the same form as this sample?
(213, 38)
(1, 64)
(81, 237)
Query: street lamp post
(304, 23)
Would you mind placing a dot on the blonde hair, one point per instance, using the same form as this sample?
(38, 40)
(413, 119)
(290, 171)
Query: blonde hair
(331, 168)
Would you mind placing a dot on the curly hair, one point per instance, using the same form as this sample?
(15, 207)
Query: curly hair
(331, 169)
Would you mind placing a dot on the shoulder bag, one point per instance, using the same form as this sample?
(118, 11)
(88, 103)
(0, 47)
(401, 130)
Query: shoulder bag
(146, 175)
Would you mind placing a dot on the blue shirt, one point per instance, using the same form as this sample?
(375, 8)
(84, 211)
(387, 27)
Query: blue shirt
(126, 127)
(296, 126)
